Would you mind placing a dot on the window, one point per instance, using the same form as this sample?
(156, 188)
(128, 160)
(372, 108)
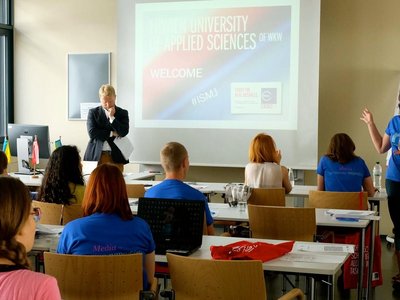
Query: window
(6, 65)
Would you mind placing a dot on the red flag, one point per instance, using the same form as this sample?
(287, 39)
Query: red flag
(35, 152)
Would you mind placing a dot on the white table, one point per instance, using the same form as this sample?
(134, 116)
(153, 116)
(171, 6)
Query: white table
(317, 263)
(223, 212)
(141, 177)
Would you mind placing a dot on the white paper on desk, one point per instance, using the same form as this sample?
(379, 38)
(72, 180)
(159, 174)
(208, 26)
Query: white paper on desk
(350, 213)
(43, 229)
(323, 248)
(355, 214)
(133, 201)
(312, 258)
(198, 186)
(124, 145)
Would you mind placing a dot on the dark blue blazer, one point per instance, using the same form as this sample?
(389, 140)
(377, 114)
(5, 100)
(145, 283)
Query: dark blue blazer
(99, 129)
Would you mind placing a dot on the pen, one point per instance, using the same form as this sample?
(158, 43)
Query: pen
(347, 219)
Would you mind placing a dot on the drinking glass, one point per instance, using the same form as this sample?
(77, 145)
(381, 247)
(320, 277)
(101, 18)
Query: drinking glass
(244, 196)
(236, 194)
(229, 195)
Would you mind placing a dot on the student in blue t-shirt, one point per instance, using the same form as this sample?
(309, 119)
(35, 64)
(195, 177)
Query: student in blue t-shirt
(340, 170)
(108, 226)
(175, 161)
(390, 141)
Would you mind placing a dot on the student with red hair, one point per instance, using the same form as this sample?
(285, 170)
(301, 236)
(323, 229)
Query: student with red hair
(108, 226)
(264, 169)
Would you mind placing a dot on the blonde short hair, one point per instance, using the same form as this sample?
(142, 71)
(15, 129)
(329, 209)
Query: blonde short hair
(107, 90)
(172, 156)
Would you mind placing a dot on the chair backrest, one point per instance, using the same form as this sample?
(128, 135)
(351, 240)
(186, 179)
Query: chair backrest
(282, 223)
(135, 190)
(198, 279)
(96, 277)
(51, 212)
(267, 196)
(72, 212)
(338, 200)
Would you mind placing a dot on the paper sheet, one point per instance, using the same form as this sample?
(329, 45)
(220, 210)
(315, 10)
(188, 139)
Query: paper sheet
(311, 258)
(355, 214)
(53, 229)
(125, 145)
(323, 248)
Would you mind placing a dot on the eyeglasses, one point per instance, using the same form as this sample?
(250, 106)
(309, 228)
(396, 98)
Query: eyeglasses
(37, 214)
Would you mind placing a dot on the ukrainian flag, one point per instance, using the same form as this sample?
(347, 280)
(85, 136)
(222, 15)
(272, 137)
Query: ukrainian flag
(6, 149)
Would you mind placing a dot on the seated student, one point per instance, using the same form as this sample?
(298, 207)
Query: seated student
(17, 234)
(341, 170)
(3, 164)
(264, 169)
(63, 181)
(175, 161)
(108, 226)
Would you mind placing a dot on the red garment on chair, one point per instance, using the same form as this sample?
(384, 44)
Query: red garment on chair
(251, 251)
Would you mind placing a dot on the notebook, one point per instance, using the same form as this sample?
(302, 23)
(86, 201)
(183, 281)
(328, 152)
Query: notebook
(176, 224)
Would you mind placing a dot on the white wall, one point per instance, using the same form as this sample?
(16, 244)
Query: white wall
(45, 32)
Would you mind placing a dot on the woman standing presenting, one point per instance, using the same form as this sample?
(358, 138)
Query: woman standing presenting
(390, 140)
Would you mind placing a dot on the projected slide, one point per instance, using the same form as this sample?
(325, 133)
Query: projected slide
(217, 64)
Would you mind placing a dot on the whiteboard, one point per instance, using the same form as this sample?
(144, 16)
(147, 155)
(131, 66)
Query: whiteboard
(86, 73)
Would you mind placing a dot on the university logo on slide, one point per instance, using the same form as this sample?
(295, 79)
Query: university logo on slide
(268, 96)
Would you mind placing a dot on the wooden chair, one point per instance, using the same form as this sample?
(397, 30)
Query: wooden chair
(198, 279)
(135, 190)
(268, 196)
(51, 212)
(71, 212)
(58, 214)
(338, 200)
(282, 223)
(96, 276)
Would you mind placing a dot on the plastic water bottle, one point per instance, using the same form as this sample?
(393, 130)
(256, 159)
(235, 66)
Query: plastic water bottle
(377, 175)
(291, 176)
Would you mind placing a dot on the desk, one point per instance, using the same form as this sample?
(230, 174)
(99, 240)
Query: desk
(325, 264)
(223, 212)
(28, 180)
(303, 190)
(300, 191)
(140, 178)
(207, 188)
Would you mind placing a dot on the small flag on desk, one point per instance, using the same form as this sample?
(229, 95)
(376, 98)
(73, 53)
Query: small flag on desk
(6, 149)
(35, 152)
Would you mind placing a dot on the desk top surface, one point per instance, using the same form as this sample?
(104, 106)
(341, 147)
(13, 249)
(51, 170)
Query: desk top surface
(299, 260)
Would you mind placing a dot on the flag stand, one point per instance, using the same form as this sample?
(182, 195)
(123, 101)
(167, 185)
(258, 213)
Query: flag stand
(35, 156)
(34, 172)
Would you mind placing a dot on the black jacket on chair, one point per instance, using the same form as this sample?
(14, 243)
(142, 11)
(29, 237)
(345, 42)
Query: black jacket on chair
(99, 129)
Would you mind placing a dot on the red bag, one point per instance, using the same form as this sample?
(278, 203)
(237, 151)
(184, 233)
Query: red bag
(251, 251)
(350, 267)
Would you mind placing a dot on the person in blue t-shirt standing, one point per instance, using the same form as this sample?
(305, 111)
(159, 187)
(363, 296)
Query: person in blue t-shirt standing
(340, 170)
(389, 141)
(175, 162)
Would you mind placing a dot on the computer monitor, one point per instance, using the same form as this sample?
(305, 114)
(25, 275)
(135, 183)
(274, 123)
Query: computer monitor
(16, 131)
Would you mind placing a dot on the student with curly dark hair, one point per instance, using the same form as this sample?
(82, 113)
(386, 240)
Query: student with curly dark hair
(63, 181)
(17, 233)
(340, 170)
(3, 163)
